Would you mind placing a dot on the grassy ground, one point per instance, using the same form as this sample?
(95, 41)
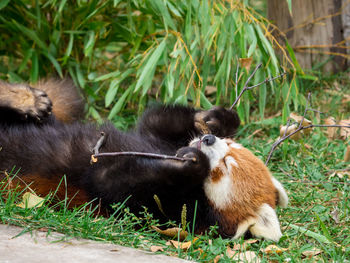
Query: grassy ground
(317, 217)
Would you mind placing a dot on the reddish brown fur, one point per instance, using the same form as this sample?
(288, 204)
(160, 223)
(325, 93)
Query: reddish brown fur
(252, 187)
(67, 103)
(217, 172)
(43, 186)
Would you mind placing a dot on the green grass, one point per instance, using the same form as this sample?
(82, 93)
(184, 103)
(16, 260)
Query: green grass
(304, 169)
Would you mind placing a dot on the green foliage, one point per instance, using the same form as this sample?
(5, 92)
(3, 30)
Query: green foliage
(128, 52)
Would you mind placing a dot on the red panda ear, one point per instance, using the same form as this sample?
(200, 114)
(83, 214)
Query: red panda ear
(230, 162)
(265, 224)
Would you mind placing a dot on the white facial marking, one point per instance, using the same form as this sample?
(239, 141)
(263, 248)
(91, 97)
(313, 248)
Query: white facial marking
(215, 152)
(221, 191)
(282, 195)
(265, 224)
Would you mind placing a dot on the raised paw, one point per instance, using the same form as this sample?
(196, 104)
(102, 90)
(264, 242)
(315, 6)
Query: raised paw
(218, 121)
(42, 105)
(28, 102)
(197, 166)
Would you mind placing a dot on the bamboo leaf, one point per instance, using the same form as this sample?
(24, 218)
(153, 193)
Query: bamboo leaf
(27, 56)
(69, 48)
(34, 73)
(114, 85)
(148, 69)
(269, 49)
(31, 34)
(162, 10)
(118, 106)
(3, 3)
(293, 57)
(205, 102)
(111, 92)
(54, 63)
(89, 44)
(110, 75)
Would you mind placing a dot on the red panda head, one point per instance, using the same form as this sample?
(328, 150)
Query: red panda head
(241, 189)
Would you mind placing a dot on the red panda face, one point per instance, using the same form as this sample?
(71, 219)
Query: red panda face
(241, 189)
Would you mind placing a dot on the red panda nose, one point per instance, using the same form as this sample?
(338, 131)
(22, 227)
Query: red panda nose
(208, 139)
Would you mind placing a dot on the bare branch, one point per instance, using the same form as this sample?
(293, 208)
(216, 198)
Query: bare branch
(99, 143)
(142, 154)
(285, 136)
(246, 87)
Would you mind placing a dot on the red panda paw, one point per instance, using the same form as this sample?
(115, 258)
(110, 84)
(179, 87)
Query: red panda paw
(29, 103)
(218, 121)
(197, 163)
(42, 106)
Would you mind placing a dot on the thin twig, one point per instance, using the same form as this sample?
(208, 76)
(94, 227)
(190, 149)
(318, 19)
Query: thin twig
(268, 80)
(99, 143)
(142, 154)
(285, 136)
(246, 87)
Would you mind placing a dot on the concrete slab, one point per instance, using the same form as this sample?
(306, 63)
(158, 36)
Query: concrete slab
(37, 247)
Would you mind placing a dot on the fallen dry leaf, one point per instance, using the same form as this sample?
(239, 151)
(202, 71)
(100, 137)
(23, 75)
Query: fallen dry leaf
(299, 118)
(340, 174)
(347, 154)
(43, 229)
(335, 215)
(231, 252)
(30, 200)
(251, 241)
(286, 130)
(217, 258)
(310, 253)
(172, 232)
(331, 131)
(247, 256)
(271, 249)
(346, 98)
(246, 63)
(344, 132)
(156, 248)
(240, 246)
(182, 245)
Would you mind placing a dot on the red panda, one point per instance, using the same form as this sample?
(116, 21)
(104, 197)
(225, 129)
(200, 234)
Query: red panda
(242, 190)
(223, 182)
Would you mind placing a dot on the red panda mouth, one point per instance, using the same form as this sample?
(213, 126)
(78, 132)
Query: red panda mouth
(199, 143)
